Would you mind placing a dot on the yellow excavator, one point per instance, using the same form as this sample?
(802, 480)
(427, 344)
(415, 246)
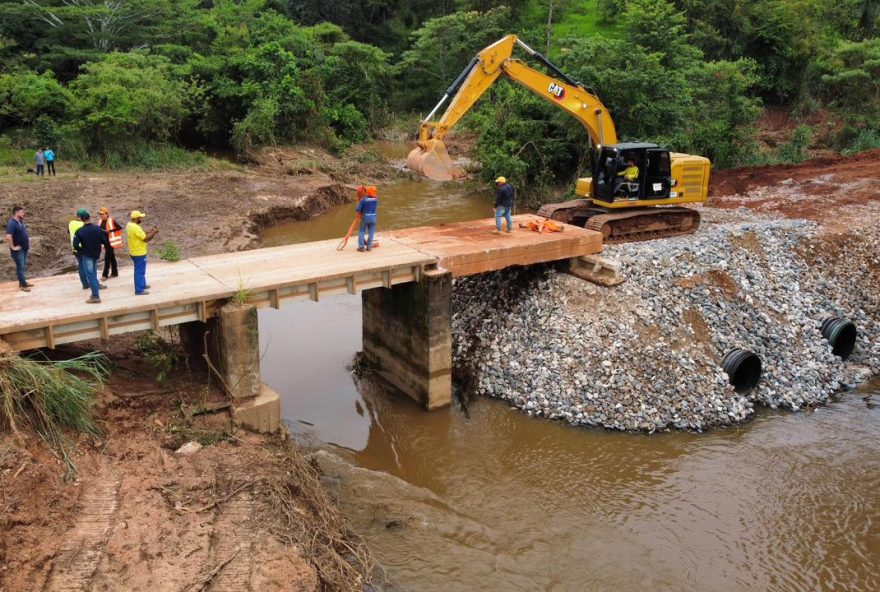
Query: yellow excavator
(615, 201)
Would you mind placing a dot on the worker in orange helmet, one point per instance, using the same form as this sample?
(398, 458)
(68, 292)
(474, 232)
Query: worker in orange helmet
(367, 209)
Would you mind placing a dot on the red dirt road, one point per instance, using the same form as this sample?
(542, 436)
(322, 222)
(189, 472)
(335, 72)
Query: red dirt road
(828, 190)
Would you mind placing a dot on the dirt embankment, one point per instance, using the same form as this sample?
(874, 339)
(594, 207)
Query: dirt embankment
(203, 212)
(245, 512)
(839, 192)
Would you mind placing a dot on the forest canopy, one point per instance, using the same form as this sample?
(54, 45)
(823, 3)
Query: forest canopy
(111, 76)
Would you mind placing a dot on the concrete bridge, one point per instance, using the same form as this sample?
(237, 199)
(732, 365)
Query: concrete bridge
(405, 283)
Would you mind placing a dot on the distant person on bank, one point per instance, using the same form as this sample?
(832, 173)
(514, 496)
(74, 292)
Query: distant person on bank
(367, 209)
(72, 227)
(114, 236)
(50, 161)
(137, 248)
(503, 204)
(88, 242)
(19, 243)
(40, 158)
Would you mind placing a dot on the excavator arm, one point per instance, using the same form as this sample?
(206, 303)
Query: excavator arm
(431, 159)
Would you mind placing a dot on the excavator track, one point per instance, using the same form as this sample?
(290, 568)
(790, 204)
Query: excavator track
(644, 224)
(563, 211)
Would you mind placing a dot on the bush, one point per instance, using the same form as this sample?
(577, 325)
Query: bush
(127, 97)
(866, 139)
(51, 397)
(27, 96)
(169, 251)
(796, 149)
(160, 354)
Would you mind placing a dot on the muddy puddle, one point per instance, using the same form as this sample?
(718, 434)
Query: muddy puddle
(500, 501)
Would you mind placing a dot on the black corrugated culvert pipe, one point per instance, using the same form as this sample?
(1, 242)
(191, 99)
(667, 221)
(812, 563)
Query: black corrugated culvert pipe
(743, 368)
(841, 334)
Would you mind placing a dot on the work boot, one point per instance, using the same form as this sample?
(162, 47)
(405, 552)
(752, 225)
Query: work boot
(102, 287)
(28, 285)
(144, 293)
(24, 288)
(93, 300)
(496, 231)
(85, 287)
(360, 249)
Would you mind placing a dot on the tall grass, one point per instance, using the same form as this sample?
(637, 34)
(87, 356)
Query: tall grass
(51, 397)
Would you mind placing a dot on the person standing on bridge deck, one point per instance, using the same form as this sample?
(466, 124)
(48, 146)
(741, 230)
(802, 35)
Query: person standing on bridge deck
(88, 241)
(367, 209)
(72, 227)
(503, 204)
(19, 243)
(137, 248)
(114, 236)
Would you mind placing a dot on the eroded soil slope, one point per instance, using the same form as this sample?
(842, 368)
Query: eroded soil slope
(202, 212)
(243, 513)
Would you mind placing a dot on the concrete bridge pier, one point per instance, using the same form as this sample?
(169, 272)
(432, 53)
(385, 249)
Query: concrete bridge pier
(233, 344)
(407, 336)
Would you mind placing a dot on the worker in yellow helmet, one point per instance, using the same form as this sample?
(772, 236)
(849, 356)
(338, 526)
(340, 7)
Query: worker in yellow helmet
(503, 204)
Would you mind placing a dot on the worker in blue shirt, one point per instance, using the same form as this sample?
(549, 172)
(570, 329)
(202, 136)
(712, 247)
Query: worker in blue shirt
(367, 209)
(88, 242)
(49, 154)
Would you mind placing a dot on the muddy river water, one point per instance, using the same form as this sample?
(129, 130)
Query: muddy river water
(501, 501)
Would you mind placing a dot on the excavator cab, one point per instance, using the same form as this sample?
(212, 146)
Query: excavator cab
(654, 180)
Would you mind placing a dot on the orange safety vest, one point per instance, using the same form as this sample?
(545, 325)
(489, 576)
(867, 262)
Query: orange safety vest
(114, 232)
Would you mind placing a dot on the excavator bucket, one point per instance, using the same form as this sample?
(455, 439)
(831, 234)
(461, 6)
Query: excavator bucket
(433, 161)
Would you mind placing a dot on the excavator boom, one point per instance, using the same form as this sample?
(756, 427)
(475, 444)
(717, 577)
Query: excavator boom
(430, 157)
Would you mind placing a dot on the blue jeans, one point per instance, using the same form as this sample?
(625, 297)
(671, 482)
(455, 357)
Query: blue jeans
(503, 211)
(83, 278)
(89, 267)
(365, 226)
(140, 273)
(20, 258)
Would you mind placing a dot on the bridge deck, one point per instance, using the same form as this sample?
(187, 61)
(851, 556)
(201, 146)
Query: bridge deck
(55, 312)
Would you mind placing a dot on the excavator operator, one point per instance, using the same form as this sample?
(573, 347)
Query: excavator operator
(629, 184)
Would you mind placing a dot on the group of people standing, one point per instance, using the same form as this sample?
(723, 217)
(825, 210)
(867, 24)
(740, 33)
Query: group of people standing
(88, 241)
(45, 161)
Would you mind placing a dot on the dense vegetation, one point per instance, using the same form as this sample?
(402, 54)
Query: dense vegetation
(119, 80)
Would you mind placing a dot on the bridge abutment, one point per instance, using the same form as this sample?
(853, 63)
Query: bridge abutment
(233, 344)
(407, 336)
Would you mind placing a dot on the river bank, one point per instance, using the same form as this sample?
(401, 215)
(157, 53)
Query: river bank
(201, 212)
(241, 512)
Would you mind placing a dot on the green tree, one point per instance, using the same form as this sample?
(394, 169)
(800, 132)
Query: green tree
(441, 49)
(125, 97)
(24, 96)
(659, 27)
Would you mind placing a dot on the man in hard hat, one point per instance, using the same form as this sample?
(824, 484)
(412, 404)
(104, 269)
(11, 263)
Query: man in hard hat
(503, 204)
(367, 207)
(137, 248)
(114, 235)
